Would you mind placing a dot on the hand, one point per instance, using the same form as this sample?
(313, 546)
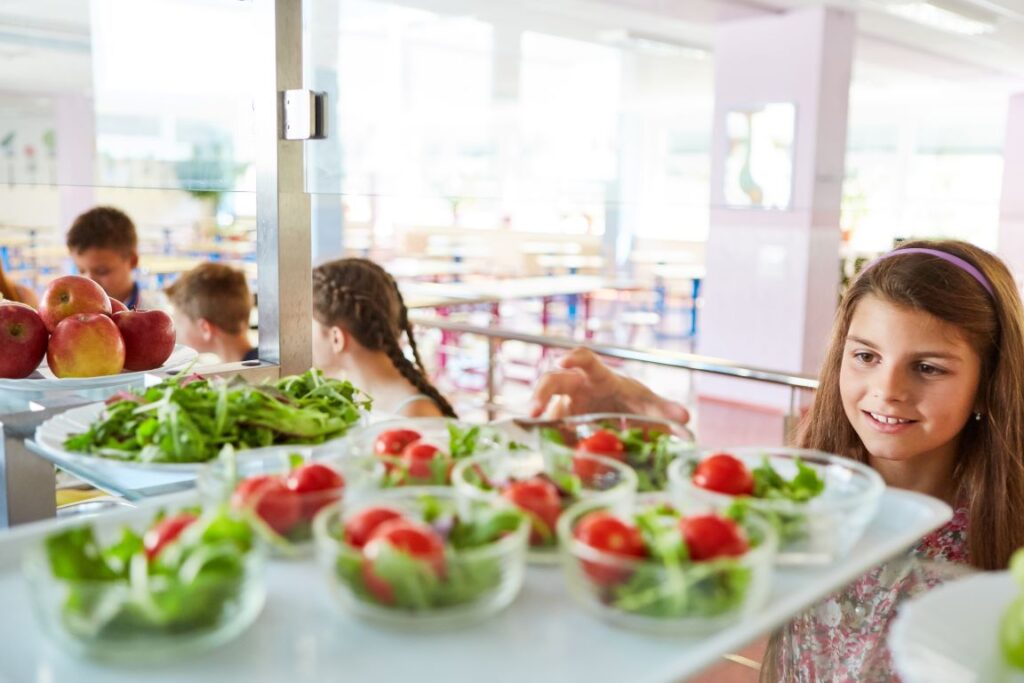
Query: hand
(586, 385)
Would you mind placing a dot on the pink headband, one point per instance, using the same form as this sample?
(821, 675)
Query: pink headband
(945, 256)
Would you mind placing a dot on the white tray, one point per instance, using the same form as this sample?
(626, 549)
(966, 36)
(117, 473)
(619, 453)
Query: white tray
(543, 636)
(951, 634)
(44, 380)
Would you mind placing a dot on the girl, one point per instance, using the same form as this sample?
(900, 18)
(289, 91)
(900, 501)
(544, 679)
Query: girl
(358, 321)
(923, 381)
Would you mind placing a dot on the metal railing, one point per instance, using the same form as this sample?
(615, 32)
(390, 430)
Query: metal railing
(672, 359)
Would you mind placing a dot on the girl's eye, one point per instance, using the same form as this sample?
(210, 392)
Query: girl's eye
(864, 356)
(928, 369)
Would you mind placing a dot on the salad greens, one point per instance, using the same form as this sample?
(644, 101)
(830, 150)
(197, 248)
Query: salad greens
(116, 593)
(670, 584)
(189, 419)
(414, 584)
(806, 484)
(462, 443)
(1011, 627)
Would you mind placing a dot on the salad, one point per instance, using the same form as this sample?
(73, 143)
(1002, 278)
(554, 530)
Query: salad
(541, 488)
(645, 444)
(660, 565)
(1011, 627)
(426, 456)
(421, 553)
(190, 573)
(189, 419)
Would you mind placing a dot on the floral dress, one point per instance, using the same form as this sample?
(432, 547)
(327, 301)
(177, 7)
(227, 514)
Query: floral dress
(843, 638)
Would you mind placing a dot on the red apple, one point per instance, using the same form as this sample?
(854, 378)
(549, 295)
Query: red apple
(86, 345)
(148, 338)
(70, 295)
(23, 340)
(116, 306)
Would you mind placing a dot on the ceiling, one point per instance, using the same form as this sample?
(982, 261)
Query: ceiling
(44, 44)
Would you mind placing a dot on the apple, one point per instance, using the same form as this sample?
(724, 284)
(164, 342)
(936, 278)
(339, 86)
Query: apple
(86, 345)
(69, 295)
(116, 306)
(23, 340)
(148, 338)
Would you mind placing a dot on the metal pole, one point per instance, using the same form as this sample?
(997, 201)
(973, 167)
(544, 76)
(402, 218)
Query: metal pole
(28, 484)
(492, 352)
(282, 204)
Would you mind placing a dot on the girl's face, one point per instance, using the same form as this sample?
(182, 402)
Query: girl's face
(908, 381)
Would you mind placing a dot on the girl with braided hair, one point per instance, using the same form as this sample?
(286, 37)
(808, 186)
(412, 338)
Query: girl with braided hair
(359, 319)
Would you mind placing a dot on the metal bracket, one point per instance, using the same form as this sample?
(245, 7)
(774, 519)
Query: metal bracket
(305, 115)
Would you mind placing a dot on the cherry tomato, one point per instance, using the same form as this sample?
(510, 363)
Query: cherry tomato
(418, 458)
(271, 500)
(166, 531)
(601, 442)
(711, 536)
(538, 497)
(724, 473)
(394, 441)
(609, 534)
(416, 540)
(317, 485)
(361, 525)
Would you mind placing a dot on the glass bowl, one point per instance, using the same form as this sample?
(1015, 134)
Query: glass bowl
(568, 477)
(446, 441)
(193, 596)
(685, 597)
(818, 531)
(646, 444)
(283, 513)
(394, 589)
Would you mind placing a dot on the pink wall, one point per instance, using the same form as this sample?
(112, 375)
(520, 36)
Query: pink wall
(772, 275)
(1011, 206)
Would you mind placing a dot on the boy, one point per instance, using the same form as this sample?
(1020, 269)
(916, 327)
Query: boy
(211, 305)
(104, 247)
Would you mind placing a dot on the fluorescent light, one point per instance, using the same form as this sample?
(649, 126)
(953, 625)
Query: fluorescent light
(650, 44)
(940, 18)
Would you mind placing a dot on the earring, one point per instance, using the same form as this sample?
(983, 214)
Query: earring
(977, 417)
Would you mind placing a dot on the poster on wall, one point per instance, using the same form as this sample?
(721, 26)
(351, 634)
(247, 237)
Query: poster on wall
(759, 160)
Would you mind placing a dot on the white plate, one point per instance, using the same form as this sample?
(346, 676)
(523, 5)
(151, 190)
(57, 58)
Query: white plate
(951, 634)
(123, 477)
(44, 380)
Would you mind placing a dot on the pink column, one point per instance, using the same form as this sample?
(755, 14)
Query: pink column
(772, 274)
(1011, 206)
(76, 156)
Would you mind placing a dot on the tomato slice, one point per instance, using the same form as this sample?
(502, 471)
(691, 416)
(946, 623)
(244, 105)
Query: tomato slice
(724, 473)
(539, 498)
(271, 500)
(603, 442)
(711, 536)
(166, 531)
(317, 486)
(394, 441)
(413, 538)
(360, 526)
(418, 458)
(609, 534)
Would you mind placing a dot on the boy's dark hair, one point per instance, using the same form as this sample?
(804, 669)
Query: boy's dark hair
(216, 292)
(103, 228)
(363, 297)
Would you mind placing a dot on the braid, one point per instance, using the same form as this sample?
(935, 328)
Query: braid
(365, 298)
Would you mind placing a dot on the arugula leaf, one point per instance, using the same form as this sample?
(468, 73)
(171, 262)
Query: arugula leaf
(462, 443)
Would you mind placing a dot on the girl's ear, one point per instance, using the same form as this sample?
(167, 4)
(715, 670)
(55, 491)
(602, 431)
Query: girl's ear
(338, 338)
(205, 329)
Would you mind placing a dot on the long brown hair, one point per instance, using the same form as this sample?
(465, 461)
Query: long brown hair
(989, 472)
(362, 297)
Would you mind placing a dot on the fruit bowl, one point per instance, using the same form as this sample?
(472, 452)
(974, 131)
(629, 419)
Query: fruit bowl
(819, 504)
(646, 444)
(635, 565)
(418, 558)
(146, 592)
(543, 487)
(282, 489)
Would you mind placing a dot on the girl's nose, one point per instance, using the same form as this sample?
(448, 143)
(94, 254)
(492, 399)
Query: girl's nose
(890, 384)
